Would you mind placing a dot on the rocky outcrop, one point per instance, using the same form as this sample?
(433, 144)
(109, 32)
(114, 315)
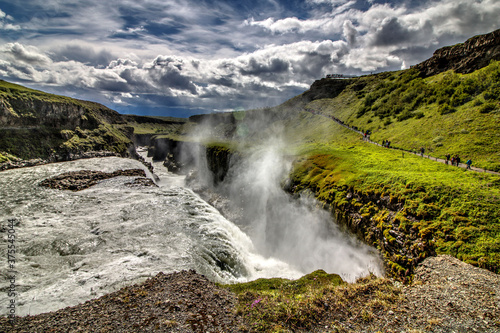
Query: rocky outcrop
(80, 180)
(326, 88)
(403, 250)
(474, 54)
(177, 302)
(26, 112)
(178, 156)
(39, 161)
(219, 160)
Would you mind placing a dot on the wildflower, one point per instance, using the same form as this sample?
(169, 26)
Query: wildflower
(256, 302)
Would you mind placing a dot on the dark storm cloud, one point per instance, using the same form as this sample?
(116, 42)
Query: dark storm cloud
(86, 55)
(391, 33)
(275, 66)
(225, 81)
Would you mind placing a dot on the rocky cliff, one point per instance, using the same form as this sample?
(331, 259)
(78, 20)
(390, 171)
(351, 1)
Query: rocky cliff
(39, 125)
(474, 54)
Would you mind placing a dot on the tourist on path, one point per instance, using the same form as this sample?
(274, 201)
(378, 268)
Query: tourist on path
(469, 162)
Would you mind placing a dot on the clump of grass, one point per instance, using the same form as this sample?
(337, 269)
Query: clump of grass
(5, 157)
(316, 300)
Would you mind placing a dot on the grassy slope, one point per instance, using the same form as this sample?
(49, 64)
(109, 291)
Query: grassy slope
(449, 210)
(8, 89)
(455, 210)
(407, 110)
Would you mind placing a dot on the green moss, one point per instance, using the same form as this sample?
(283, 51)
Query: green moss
(5, 157)
(280, 305)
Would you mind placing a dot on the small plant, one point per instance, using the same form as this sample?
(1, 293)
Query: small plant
(445, 109)
(487, 107)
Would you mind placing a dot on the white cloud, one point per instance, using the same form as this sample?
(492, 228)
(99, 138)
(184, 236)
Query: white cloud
(4, 25)
(25, 54)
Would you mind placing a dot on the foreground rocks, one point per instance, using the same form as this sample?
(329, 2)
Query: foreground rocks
(80, 180)
(178, 302)
(446, 296)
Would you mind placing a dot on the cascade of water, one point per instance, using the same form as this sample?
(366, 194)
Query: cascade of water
(74, 246)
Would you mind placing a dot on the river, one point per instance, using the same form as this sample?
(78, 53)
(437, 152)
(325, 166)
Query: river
(75, 246)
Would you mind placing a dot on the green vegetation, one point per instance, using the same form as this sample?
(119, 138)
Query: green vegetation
(446, 217)
(154, 125)
(411, 112)
(406, 206)
(42, 125)
(4, 157)
(15, 91)
(280, 305)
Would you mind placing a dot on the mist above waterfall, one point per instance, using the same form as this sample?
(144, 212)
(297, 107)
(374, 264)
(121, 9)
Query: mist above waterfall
(289, 229)
(292, 230)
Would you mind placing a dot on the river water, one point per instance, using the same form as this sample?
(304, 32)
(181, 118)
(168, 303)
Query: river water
(75, 246)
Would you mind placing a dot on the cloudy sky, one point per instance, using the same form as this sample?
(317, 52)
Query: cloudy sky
(182, 57)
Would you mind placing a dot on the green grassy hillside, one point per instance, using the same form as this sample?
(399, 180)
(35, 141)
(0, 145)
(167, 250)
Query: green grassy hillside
(406, 206)
(445, 209)
(447, 113)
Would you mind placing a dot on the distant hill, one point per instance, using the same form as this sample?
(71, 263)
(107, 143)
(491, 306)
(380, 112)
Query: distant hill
(441, 104)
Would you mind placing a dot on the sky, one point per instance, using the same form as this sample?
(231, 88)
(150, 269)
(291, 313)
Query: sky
(184, 57)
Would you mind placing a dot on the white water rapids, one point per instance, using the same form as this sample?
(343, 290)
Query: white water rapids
(74, 246)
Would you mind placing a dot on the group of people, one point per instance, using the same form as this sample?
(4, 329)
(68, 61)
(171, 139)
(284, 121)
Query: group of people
(455, 160)
(386, 143)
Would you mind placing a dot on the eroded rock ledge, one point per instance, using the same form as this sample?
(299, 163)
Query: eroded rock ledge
(80, 180)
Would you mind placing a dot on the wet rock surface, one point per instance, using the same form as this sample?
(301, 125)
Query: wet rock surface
(80, 180)
(141, 182)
